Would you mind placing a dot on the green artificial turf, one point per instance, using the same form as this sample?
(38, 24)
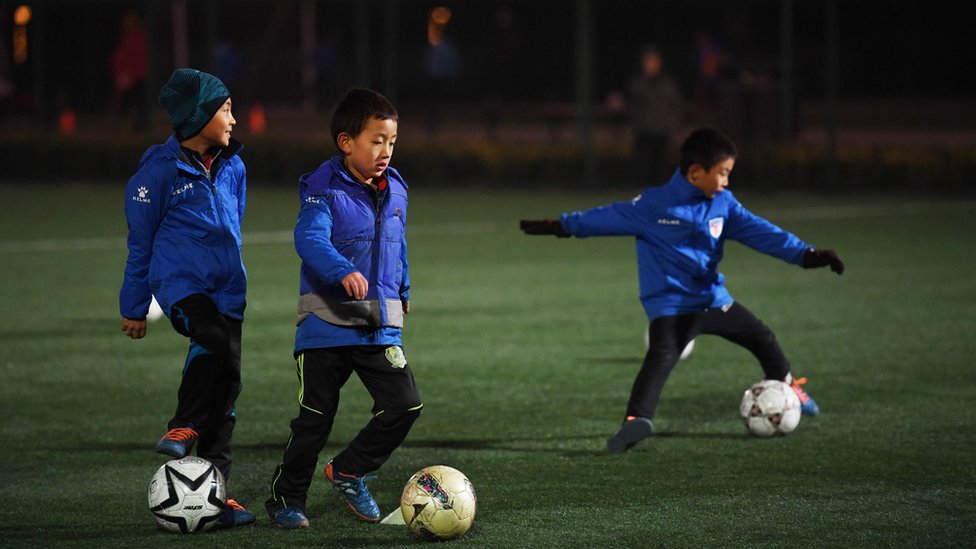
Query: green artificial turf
(524, 349)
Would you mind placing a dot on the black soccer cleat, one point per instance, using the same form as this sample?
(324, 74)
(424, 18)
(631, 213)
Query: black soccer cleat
(633, 430)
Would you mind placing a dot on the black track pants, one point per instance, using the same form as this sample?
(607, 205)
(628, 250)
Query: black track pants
(669, 335)
(211, 379)
(321, 374)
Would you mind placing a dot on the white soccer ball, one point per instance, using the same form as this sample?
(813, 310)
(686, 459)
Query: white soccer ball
(187, 495)
(155, 311)
(770, 407)
(438, 503)
(684, 353)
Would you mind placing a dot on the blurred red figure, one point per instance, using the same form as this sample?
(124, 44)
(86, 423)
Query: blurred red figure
(257, 122)
(129, 66)
(710, 56)
(67, 121)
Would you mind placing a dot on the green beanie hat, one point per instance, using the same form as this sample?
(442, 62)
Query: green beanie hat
(192, 98)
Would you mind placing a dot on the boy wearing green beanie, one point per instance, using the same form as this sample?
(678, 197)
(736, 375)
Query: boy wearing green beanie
(184, 208)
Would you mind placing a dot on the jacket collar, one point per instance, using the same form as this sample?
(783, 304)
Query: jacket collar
(681, 187)
(333, 171)
(172, 147)
(338, 165)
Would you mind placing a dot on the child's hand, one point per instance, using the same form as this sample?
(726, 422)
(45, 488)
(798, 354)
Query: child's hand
(543, 226)
(136, 329)
(823, 258)
(355, 285)
(406, 307)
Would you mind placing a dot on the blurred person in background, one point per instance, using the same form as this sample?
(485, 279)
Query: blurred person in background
(130, 63)
(657, 107)
(709, 61)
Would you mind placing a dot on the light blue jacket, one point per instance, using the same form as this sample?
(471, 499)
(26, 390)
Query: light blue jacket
(681, 236)
(342, 228)
(184, 232)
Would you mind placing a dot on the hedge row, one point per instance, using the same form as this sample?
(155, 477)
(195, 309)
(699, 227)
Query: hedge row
(918, 167)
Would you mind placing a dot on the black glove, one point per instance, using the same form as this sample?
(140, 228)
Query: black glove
(543, 226)
(822, 258)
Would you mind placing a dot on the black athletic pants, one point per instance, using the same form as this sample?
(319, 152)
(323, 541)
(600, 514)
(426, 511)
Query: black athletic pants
(211, 377)
(669, 335)
(321, 374)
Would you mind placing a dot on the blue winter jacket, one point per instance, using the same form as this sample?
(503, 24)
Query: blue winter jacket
(184, 232)
(681, 235)
(343, 227)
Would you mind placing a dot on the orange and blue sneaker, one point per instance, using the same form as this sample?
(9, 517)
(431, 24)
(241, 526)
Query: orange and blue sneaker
(290, 518)
(807, 406)
(357, 495)
(633, 430)
(177, 442)
(235, 515)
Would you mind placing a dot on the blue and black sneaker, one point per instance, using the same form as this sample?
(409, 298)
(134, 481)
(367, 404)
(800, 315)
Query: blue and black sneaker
(177, 442)
(807, 406)
(357, 495)
(235, 515)
(290, 518)
(633, 430)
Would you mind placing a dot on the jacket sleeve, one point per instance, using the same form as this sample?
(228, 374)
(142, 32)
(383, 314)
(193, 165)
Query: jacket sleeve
(405, 280)
(241, 191)
(313, 242)
(763, 236)
(624, 218)
(146, 198)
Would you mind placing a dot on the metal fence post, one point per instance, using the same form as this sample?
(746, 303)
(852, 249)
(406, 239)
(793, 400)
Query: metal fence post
(584, 87)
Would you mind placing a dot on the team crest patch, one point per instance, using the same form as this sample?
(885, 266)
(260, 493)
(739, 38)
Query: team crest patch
(715, 226)
(395, 356)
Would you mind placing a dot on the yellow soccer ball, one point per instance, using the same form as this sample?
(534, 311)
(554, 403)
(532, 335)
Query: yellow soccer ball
(438, 503)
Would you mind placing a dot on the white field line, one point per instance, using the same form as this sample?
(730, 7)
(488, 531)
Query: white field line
(250, 238)
(491, 227)
(823, 213)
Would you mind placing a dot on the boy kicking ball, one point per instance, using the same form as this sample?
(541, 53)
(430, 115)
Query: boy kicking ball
(355, 291)
(681, 229)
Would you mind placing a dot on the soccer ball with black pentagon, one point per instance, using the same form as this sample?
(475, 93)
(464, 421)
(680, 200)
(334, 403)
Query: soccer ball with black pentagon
(438, 503)
(770, 408)
(187, 495)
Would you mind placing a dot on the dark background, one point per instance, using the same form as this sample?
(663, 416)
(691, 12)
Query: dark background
(888, 49)
(821, 92)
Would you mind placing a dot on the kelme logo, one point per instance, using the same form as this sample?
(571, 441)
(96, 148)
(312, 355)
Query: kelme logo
(142, 195)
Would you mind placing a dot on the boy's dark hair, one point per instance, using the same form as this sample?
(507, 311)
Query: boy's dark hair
(356, 108)
(706, 147)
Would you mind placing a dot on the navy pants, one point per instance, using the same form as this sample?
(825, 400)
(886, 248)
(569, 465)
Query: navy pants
(669, 334)
(211, 379)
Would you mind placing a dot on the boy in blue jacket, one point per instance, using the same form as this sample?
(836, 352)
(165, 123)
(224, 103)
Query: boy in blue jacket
(354, 293)
(681, 229)
(184, 208)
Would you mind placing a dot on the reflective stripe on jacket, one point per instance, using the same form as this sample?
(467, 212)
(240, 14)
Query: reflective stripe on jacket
(341, 229)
